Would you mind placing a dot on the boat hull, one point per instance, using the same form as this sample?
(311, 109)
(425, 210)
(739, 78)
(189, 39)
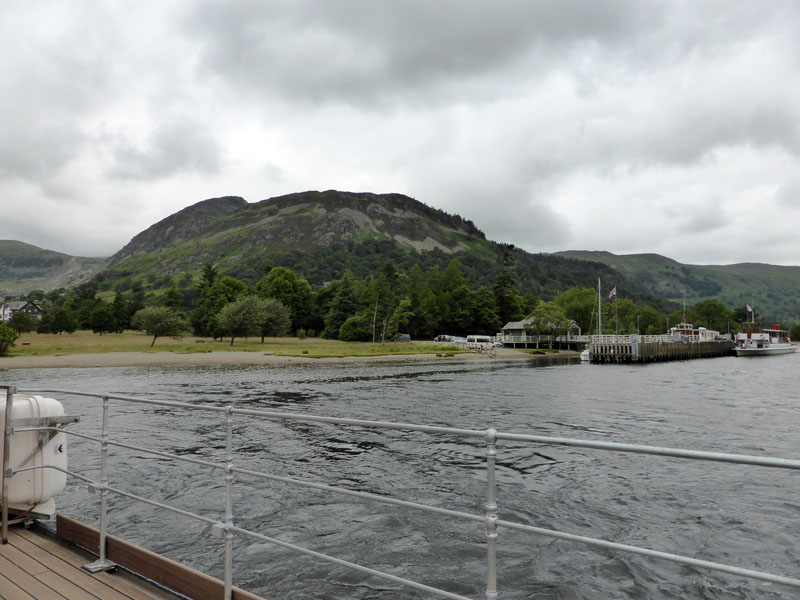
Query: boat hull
(771, 350)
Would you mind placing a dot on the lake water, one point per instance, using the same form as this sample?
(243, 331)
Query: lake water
(739, 515)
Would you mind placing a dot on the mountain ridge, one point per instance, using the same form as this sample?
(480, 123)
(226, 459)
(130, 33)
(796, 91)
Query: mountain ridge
(24, 267)
(774, 290)
(320, 234)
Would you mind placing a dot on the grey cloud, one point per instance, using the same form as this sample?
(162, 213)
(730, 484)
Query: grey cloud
(36, 152)
(376, 52)
(788, 194)
(173, 147)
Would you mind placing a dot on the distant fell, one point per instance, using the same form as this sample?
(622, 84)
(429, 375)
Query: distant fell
(773, 290)
(24, 267)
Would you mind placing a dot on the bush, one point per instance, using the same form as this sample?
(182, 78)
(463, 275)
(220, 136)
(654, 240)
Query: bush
(8, 337)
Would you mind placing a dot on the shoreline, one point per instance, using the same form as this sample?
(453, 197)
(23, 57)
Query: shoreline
(172, 359)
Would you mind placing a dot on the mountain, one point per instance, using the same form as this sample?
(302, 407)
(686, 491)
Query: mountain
(773, 290)
(321, 234)
(24, 267)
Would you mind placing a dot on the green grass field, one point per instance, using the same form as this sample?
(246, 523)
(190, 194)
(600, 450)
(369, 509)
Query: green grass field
(86, 342)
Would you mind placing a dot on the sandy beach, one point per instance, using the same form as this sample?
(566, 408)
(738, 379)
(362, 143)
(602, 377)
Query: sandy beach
(169, 359)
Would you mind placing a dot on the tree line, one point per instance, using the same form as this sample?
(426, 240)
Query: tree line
(373, 308)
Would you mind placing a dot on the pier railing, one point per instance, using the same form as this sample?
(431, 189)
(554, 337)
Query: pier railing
(224, 527)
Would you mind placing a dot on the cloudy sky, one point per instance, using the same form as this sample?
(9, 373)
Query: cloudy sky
(628, 126)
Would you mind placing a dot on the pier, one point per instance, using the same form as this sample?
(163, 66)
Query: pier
(653, 348)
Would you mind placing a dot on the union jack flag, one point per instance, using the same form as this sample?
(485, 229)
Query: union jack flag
(613, 292)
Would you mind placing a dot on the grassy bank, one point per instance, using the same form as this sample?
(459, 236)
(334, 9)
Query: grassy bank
(86, 342)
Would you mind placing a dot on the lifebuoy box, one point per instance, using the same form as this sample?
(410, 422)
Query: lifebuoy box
(30, 449)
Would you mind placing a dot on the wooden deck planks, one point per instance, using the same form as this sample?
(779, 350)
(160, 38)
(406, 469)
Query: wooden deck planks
(54, 556)
(175, 576)
(39, 565)
(35, 565)
(10, 591)
(27, 582)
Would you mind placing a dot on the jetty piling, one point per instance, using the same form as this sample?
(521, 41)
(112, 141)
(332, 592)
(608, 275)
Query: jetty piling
(653, 348)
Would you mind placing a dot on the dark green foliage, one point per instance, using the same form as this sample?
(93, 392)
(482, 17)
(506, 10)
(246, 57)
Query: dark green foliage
(8, 338)
(123, 307)
(277, 320)
(45, 324)
(344, 304)
(64, 321)
(547, 319)
(212, 299)
(357, 328)
(508, 303)
(711, 314)
(580, 305)
(174, 299)
(209, 275)
(23, 322)
(159, 321)
(242, 317)
(102, 319)
(294, 293)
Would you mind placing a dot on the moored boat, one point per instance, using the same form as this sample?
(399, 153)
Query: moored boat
(757, 341)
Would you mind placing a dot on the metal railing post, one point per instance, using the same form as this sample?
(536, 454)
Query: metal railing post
(102, 563)
(228, 504)
(491, 516)
(6, 474)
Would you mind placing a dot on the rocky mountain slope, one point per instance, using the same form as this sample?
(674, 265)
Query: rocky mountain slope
(320, 234)
(24, 267)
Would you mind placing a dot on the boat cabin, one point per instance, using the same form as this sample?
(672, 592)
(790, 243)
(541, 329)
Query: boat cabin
(696, 334)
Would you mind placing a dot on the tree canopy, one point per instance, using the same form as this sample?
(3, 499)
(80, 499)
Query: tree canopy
(159, 321)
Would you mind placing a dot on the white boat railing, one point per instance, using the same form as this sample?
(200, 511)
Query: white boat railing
(646, 339)
(532, 339)
(225, 528)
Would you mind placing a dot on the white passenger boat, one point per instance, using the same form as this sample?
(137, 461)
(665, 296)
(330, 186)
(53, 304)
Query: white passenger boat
(756, 341)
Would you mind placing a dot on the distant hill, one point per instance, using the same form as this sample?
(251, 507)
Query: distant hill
(773, 290)
(24, 267)
(321, 234)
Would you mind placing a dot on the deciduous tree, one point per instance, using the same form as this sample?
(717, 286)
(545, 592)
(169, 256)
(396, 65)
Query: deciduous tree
(102, 319)
(243, 317)
(547, 319)
(277, 322)
(159, 321)
(23, 322)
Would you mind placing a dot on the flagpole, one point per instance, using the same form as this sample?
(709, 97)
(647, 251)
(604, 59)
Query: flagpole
(599, 309)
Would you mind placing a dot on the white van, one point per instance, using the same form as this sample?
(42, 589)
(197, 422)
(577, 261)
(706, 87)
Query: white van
(476, 342)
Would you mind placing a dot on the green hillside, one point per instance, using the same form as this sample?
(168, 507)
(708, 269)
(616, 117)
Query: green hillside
(773, 290)
(319, 235)
(24, 267)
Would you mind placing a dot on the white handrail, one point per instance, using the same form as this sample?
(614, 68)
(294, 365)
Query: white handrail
(489, 519)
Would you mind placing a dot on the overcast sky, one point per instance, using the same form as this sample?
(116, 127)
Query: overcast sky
(666, 127)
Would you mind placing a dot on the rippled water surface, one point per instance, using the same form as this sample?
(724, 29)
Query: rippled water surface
(735, 514)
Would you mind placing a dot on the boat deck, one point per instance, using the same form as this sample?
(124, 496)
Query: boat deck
(35, 565)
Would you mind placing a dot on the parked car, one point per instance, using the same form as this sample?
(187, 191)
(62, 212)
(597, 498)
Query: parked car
(497, 344)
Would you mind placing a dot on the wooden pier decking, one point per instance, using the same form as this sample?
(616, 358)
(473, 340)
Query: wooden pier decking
(37, 564)
(645, 348)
